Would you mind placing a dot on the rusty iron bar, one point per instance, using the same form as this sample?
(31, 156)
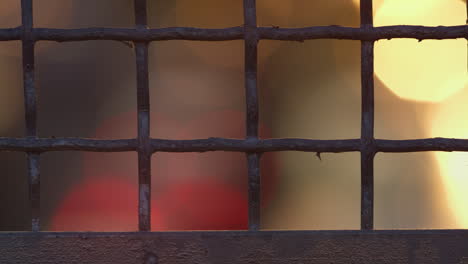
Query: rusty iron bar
(237, 247)
(253, 167)
(419, 145)
(143, 105)
(67, 144)
(367, 121)
(364, 33)
(237, 33)
(251, 96)
(232, 145)
(30, 98)
(34, 174)
(30, 104)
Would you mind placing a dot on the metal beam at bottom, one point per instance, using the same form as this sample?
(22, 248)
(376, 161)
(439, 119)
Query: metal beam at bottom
(396, 246)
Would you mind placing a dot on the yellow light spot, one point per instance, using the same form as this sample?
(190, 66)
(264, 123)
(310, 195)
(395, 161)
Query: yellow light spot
(376, 4)
(454, 170)
(448, 121)
(431, 70)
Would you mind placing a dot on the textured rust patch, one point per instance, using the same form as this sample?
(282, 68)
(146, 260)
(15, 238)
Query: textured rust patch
(410, 246)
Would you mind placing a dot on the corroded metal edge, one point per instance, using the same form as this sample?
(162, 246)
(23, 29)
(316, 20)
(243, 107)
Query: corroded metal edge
(234, 33)
(395, 246)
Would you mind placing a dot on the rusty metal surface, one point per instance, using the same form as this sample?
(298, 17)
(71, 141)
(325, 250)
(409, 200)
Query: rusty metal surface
(367, 120)
(143, 107)
(227, 144)
(252, 110)
(234, 33)
(430, 246)
(30, 105)
(318, 247)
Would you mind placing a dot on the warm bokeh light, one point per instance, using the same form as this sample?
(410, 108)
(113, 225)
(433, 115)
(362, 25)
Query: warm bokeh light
(453, 168)
(220, 14)
(217, 14)
(306, 90)
(447, 121)
(376, 4)
(430, 70)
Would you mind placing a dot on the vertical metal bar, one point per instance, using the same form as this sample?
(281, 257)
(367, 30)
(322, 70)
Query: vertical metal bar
(251, 94)
(34, 190)
(30, 103)
(28, 68)
(144, 150)
(253, 163)
(367, 121)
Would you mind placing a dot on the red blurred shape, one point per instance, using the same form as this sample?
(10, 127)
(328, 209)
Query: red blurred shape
(191, 191)
(121, 126)
(110, 204)
(226, 166)
(99, 204)
(202, 205)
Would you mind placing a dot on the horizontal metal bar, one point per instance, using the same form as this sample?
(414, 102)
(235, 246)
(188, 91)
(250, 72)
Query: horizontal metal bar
(66, 144)
(227, 144)
(163, 145)
(256, 145)
(237, 33)
(181, 33)
(364, 33)
(417, 145)
(396, 246)
(7, 34)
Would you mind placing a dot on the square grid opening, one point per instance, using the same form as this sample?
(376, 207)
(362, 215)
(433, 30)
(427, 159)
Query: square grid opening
(252, 145)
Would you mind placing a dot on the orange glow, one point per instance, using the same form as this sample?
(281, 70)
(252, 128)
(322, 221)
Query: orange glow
(430, 70)
(376, 4)
(10, 13)
(220, 14)
(217, 14)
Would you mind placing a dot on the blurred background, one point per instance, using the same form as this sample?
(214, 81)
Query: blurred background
(307, 90)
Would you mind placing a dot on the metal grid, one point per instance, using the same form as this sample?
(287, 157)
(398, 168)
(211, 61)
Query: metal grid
(252, 145)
